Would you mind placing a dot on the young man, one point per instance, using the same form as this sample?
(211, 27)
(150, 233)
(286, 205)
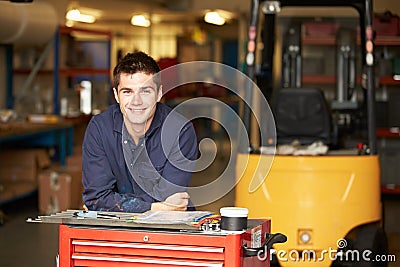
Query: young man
(138, 155)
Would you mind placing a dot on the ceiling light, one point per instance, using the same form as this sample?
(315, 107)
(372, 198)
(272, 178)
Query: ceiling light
(140, 20)
(69, 23)
(214, 17)
(75, 15)
(271, 7)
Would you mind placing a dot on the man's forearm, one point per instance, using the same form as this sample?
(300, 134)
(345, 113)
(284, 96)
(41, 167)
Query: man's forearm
(118, 202)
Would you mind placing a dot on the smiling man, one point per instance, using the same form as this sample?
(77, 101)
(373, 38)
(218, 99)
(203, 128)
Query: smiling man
(138, 155)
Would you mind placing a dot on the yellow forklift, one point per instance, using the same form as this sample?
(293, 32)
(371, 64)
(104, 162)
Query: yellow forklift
(328, 205)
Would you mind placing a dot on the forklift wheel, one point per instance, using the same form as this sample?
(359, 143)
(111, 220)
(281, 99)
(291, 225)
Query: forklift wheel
(371, 243)
(274, 261)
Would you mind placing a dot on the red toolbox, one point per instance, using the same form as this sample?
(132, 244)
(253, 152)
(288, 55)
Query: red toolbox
(104, 246)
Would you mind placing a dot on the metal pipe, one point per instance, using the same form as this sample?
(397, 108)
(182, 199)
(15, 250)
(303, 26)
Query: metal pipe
(369, 58)
(250, 63)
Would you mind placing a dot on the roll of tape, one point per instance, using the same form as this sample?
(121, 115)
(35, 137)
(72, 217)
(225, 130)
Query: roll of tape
(233, 218)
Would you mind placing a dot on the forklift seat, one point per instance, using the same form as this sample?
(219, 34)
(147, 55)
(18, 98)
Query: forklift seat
(301, 114)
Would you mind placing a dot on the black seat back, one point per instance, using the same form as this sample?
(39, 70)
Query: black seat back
(301, 114)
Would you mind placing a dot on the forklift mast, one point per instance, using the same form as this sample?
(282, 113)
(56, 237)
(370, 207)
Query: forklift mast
(292, 56)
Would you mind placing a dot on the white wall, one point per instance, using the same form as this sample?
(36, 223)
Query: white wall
(384, 5)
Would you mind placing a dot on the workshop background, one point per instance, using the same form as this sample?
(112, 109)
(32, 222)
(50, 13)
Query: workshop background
(55, 75)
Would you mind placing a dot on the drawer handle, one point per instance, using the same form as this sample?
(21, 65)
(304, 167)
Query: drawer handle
(170, 262)
(149, 246)
(270, 239)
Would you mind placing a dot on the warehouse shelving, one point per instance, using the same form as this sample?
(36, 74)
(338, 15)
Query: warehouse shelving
(62, 72)
(380, 41)
(72, 72)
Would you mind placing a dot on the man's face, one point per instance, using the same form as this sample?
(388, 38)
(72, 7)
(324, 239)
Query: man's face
(137, 96)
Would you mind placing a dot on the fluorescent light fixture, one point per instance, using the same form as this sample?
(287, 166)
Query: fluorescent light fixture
(140, 20)
(271, 7)
(214, 17)
(75, 15)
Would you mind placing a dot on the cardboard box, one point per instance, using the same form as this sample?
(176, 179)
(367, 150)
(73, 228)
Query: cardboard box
(18, 172)
(60, 189)
(75, 160)
(22, 165)
(11, 191)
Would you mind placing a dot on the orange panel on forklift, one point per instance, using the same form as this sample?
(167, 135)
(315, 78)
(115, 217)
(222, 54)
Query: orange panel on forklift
(104, 246)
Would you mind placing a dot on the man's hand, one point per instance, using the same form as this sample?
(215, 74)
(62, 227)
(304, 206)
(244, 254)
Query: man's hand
(177, 201)
(180, 199)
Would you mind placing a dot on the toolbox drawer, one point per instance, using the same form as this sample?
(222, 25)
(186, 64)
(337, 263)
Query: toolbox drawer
(99, 246)
(147, 250)
(98, 260)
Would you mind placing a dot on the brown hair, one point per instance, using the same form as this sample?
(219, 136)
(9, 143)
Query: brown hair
(136, 62)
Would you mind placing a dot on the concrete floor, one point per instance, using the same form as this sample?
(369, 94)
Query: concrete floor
(26, 244)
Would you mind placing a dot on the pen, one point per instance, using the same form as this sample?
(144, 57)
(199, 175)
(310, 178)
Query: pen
(95, 215)
(107, 216)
